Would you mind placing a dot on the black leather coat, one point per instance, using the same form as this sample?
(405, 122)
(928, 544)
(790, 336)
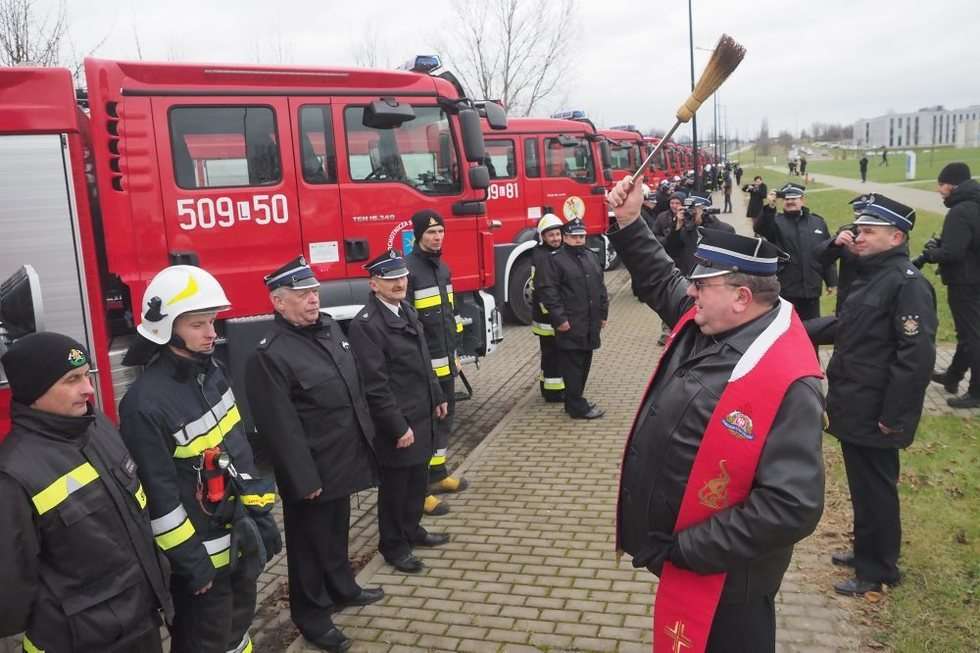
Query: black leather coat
(573, 290)
(752, 541)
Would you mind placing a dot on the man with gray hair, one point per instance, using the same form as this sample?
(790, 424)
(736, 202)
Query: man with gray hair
(308, 403)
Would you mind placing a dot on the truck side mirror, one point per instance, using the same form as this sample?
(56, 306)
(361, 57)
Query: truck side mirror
(496, 115)
(479, 177)
(21, 308)
(473, 145)
(387, 113)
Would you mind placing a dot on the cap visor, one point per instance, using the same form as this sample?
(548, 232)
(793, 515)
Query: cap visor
(873, 221)
(395, 274)
(304, 284)
(705, 272)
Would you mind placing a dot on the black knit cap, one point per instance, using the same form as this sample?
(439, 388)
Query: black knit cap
(954, 173)
(34, 363)
(423, 220)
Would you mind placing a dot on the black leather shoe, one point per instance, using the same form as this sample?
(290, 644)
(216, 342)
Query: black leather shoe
(367, 596)
(856, 587)
(949, 385)
(843, 558)
(594, 413)
(433, 539)
(966, 400)
(333, 640)
(408, 564)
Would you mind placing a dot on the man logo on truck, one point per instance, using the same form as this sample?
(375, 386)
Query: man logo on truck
(573, 208)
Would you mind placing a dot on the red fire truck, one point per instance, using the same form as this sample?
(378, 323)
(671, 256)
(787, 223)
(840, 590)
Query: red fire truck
(538, 166)
(236, 169)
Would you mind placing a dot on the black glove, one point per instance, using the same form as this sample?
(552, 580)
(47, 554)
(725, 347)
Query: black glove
(271, 536)
(658, 551)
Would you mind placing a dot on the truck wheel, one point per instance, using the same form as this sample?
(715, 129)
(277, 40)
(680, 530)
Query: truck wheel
(519, 291)
(612, 257)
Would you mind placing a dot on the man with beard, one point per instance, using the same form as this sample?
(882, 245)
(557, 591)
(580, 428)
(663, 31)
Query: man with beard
(551, 383)
(430, 289)
(799, 233)
(884, 350)
(573, 292)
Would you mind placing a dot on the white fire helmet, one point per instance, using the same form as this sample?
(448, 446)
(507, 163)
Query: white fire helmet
(647, 193)
(173, 292)
(549, 221)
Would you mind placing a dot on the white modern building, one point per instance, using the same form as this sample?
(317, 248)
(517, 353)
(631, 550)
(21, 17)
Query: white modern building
(922, 128)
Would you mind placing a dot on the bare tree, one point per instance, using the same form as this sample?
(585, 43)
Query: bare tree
(276, 51)
(29, 38)
(516, 51)
(370, 51)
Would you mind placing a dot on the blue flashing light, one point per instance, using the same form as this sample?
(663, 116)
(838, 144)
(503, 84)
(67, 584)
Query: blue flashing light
(424, 63)
(576, 114)
(628, 128)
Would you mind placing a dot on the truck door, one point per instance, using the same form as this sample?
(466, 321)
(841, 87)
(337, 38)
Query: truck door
(318, 189)
(570, 184)
(533, 188)
(229, 189)
(506, 197)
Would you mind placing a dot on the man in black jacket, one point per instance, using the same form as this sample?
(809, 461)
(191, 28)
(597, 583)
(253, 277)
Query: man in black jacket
(958, 256)
(863, 168)
(79, 567)
(573, 291)
(757, 195)
(550, 382)
(731, 305)
(430, 288)
(307, 400)
(177, 419)
(682, 241)
(800, 233)
(405, 399)
(884, 350)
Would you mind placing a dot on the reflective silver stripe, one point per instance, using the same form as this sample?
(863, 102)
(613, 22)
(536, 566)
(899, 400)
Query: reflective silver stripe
(243, 645)
(431, 291)
(542, 329)
(440, 362)
(440, 452)
(449, 288)
(218, 545)
(170, 521)
(207, 421)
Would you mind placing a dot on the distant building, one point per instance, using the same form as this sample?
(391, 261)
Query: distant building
(922, 128)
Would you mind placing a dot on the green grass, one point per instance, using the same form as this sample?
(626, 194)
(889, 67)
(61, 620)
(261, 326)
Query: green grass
(833, 206)
(928, 184)
(936, 606)
(775, 179)
(928, 164)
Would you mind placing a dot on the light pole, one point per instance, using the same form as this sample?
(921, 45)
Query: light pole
(694, 118)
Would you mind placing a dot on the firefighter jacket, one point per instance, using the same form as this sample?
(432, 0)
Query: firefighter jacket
(401, 389)
(80, 570)
(307, 399)
(572, 289)
(540, 257)
(177, 409)
(884, 349)
(752, 542)
(430, 291)
(800, 235)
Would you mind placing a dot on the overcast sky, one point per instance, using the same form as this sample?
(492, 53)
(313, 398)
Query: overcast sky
(828, 61)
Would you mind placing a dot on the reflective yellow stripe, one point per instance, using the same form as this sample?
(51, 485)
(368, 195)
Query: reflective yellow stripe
(451, 300)
(248, 646)
(556, 383)
(442, 371)
(459, 327)
(58, 491)
(31, 647)
(544, 309)
(542, 329)
(222, 559)
(141, 497)
(179, 535)
(258, 500)
(428, 302)
(437, 460)
(210, 439)
(220, 550)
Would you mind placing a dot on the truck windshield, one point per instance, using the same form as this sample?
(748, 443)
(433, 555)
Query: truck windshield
(569, 156)
(420, 153)
(658, 162)
(625, 156)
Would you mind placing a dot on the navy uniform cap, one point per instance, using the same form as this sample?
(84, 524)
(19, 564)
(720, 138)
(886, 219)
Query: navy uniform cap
(878, 210)
(791, 191)
(721, 252)
(697, 200)
(295, 275)
(574, 227)
(389, 265)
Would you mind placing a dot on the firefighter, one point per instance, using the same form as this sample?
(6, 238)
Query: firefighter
(182, 425)
(550, 380)
(308, 403)
(405, 399)
(430, 288)
(573, 291)
(79, 567)
(800, 233)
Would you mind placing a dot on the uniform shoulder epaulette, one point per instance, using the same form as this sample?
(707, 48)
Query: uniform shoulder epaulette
(266, 340)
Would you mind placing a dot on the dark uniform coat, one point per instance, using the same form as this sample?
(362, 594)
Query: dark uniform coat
(307, 398)
(80, 571)
(958, 255)
(884, 351)
(430, 291)
(573, 290)
(752, 542)
(801, 236)
(401, 387)
(756, 197)
(540, 258)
